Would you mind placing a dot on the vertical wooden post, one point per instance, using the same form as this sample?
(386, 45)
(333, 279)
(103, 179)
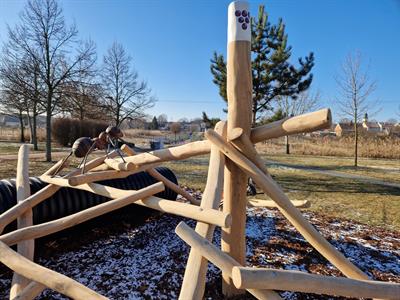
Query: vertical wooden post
(25, 248)
(239, 90)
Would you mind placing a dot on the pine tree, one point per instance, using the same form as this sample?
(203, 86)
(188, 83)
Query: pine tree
(154, 124)
(273, 74)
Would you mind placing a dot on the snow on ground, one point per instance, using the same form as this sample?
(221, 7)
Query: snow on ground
(148, 261)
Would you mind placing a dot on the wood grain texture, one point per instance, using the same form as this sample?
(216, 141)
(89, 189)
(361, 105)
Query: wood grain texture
(25, 248)
(309, 122)
(239, 92)
(194, 279)
(296, 281)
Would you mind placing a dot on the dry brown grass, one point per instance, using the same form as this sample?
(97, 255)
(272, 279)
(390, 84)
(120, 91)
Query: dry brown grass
(371, 147)
(135, 133)
(12, 134)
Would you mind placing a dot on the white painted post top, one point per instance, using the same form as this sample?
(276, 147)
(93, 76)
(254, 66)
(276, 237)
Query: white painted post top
(239, 21)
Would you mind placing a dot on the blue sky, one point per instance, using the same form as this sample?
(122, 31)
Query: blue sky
(171, 43)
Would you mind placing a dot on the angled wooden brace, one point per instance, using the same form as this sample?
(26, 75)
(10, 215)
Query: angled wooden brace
(47, 277)
(273, 190)
(196, 268)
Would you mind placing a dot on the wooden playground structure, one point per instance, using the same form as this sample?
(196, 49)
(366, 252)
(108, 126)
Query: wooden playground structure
(233, 158)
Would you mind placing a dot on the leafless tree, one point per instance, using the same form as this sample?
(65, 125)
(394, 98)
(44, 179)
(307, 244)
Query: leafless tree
(162, 120)
(304, 102)
(43, 35)
(175, 128)
(82, 97)
(355, 88)
(13, 104)
(126, 96)
(19, 75)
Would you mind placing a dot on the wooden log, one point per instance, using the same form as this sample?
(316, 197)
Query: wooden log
(102, 167)
(174, 153)
(272, 204)
(31, 291)
(119, 166)
(168, 183)
(103, 175)
(176, 188)
(25, 248)
(296, 281)
(50, 227)
(272, 189)
(196, 268)
(128, 150)
(10, 215)
(47, 277)
(222, 260)
(242, 142)
(309, 122)
(56, 166)
(239, 92)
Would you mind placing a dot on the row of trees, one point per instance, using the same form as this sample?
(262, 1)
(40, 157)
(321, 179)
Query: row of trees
(45, 68)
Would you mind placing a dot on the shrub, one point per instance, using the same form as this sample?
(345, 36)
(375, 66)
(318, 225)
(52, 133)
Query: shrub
(65, 130)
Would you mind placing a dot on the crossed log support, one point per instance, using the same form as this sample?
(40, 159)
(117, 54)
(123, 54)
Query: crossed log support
(233, 158)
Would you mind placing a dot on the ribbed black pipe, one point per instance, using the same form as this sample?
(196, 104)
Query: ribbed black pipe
(68, 201)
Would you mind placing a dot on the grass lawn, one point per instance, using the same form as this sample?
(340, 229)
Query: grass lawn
(383, 169)
(10, 148)
(343, 198)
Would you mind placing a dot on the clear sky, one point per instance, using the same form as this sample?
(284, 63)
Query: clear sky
(171, 43)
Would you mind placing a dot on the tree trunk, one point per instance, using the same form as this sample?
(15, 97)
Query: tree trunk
(34, 132)
(30, 127)
(287, 144)
(48, 125)
(21, 126)
(355, 143)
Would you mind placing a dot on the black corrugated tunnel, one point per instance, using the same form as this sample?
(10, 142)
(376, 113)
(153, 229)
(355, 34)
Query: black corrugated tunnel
(67, 201)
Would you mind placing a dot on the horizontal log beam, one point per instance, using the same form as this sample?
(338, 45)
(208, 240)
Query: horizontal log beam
(210, 216)
(103, 175)
(272, 204)
(174, 153)
(295, 281)
(157, 175)
(321, 119)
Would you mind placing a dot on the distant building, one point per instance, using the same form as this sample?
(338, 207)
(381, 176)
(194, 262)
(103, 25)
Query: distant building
(343, 129)
(371, 127)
